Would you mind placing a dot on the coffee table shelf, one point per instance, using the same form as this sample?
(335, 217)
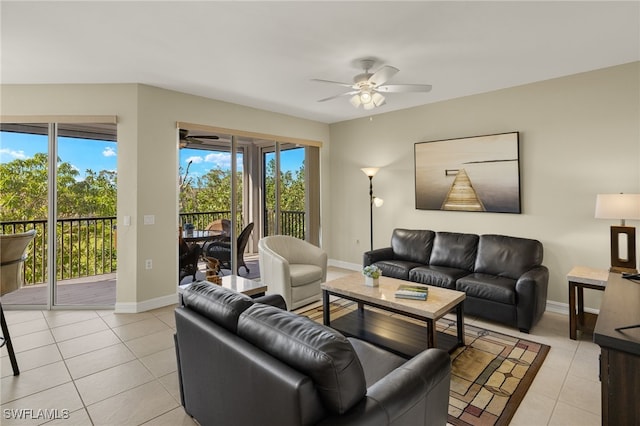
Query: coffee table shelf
(394, 334)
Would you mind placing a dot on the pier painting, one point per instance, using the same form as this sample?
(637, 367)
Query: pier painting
(480, 174)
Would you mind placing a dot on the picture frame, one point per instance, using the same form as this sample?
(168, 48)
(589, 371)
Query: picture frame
(473, 174)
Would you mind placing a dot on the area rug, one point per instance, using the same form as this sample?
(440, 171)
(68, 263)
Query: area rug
(489, 376)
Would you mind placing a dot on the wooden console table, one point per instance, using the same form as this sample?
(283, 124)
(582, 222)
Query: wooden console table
(620, 351)
(580, 278)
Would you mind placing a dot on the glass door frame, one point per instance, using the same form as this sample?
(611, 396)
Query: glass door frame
(53, 123)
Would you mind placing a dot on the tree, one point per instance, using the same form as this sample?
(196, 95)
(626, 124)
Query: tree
(23, 190)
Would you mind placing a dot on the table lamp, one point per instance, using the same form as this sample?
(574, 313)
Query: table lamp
(623, 238)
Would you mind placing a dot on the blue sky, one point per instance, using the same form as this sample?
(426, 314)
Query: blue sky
(82, 154)
(86, 154)
(203, 161)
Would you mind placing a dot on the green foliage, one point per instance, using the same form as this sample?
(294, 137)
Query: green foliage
(211, 192)
(23, 190)
(291, 188)
(85, 246)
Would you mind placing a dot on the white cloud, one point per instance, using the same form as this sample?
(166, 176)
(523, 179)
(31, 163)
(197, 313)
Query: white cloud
(196, 159)
(109, 152)
(12, 154)
(219, 159)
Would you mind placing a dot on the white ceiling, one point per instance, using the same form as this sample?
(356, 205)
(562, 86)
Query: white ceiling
(264, 54)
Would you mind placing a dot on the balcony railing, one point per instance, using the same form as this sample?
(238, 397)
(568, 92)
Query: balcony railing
(84, 247)
(87, 246)
(291, 223)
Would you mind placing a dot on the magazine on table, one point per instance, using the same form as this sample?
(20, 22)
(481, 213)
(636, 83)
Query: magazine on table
(408, 291)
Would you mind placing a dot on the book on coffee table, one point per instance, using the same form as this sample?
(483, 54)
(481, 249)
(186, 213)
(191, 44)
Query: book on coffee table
(406, 291)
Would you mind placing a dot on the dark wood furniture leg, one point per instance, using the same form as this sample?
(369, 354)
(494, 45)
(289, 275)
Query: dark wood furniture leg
(580, 317)
(431, 333)
(7, 341)
(460, 324)
(326, 309)
(572, 311)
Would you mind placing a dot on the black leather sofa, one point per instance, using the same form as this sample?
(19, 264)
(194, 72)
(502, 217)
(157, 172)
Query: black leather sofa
(243, 362)
(503, 277)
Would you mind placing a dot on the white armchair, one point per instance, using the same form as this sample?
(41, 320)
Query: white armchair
(292, 268)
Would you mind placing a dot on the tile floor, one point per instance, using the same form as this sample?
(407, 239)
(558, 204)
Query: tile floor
(97, 367)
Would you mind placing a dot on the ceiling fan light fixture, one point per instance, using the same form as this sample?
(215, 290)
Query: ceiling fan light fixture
(365, 97)
(369, 106)
(377, 99)
(355, 101)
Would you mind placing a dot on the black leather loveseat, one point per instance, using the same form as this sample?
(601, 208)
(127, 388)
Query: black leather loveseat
(503, 277)
(241, 362)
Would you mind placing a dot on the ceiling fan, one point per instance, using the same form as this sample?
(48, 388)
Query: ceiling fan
(367, 87)
(185, 139)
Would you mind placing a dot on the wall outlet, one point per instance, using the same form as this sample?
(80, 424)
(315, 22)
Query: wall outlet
(149, 219)
(148, 264)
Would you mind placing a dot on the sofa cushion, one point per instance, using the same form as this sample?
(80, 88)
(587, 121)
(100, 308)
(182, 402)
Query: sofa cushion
(217, 303)
(454, 250)
(396, 268)
(303, 274)
(507, 256)
(412, 245)
(440, 276)
(489, 287)
(320, 352)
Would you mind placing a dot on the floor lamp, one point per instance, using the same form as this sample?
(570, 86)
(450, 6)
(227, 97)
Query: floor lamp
(371, 172)
(621, 206)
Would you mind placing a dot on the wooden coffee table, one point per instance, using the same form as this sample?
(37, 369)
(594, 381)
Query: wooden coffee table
(401, 336)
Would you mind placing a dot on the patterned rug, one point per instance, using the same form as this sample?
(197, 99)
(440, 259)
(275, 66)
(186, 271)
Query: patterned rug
(489, 376)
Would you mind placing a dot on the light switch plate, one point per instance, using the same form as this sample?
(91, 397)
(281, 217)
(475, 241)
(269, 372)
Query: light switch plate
(149, 219)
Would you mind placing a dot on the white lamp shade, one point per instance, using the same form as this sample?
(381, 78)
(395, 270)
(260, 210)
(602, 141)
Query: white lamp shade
(365, 97)
(378, 202)
(618, 206)
(355, 101)
(370, 171)
(378, 99)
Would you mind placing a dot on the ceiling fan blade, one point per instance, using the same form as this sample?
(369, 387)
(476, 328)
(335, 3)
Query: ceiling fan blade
(213, 137)
(383, 75)
(332, 82)
(353, 92)
(403, 88)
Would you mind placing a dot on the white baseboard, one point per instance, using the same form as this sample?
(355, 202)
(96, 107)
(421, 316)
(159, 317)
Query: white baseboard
(563, 308)
(146, 305)
(345, 265)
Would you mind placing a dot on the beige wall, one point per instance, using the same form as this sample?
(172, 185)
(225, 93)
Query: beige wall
(148, 164)
(579, 136)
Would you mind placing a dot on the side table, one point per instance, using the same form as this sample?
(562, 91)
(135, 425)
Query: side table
(581, 277)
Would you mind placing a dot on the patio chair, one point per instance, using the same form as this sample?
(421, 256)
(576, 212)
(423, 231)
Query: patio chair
(189, 256)
(222, 225)
(13, 253)
(221, 250)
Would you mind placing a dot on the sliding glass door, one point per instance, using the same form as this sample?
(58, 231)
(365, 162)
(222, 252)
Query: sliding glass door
(289, 178)
(60, 180)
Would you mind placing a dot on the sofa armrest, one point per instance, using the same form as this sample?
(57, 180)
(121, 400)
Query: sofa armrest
(531, 290)
(377, 255)
(415, 393)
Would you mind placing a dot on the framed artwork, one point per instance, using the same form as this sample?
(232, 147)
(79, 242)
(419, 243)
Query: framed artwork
(474, 174)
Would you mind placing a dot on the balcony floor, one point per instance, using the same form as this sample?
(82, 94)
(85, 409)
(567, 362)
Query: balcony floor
(97, 290)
